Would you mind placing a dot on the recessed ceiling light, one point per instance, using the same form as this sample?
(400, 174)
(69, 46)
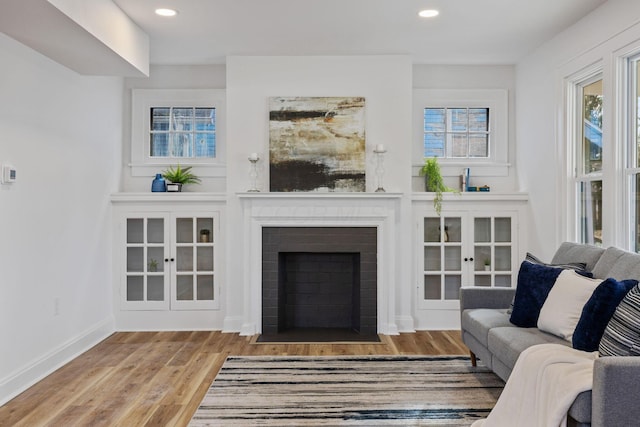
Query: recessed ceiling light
(166, 12)
(428, 13)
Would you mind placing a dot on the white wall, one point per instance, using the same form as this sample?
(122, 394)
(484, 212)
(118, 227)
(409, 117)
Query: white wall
(539, 103)
(63, 133)
(384, 81)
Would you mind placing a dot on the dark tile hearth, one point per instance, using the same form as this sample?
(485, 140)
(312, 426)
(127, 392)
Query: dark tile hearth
(318, 335)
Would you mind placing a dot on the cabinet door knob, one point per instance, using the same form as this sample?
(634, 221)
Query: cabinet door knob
(471, 259)
(166, 260)
(466, 259)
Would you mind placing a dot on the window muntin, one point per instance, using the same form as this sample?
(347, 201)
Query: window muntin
(456, 132)
(182, 132)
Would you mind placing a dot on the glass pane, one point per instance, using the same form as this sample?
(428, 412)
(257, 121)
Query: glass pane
(452, 258)
(160, 119)
(159, 145)
(155, 230)
(182, 145)
(503, 258)
(452, 287)
(482, 230)
(155, 259)
(481, 258)
(432, 287)
(478, 119)
(592, 130)
(205, 229)
(432, 229)
(135, 288)
(434, 120)
(478, 145)
(205, 119)
(458, 144)
(458, 120)
(503, 230)
(591, 212)
(184, 288)
(184, 229)
(155, 288)
(205, 145)
(135, 230)
(205, 288)
(503, 281)
(205, 258)
(452, 227)
(434, 144)
(184, 259)
(483, 280)
(135, 259)
(432, 258)
(182, 119)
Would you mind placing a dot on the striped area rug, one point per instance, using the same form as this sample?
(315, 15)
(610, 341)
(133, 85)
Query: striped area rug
(350, 390)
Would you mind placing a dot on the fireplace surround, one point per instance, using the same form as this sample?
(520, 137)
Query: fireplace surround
(319, 278)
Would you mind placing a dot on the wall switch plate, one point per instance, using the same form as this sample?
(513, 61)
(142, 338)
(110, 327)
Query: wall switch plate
(9, 174)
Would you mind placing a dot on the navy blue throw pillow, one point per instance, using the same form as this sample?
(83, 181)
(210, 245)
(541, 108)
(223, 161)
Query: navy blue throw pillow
(534, 283)
(598, 311)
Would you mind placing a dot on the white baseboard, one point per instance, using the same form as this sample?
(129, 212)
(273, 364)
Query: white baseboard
(405, 324)
(22, 379)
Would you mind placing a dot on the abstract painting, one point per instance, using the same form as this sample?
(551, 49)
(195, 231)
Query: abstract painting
(316, 144)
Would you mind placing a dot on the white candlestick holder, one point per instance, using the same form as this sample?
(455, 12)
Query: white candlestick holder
(379, 151)
(253, 173)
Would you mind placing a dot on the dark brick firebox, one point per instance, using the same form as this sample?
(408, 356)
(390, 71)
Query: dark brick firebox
(319, 277)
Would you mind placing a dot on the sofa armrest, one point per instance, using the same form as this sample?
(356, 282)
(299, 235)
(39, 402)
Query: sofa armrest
(476, 297)
(615, 391)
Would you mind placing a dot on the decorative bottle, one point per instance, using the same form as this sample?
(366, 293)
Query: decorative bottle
(158, 185)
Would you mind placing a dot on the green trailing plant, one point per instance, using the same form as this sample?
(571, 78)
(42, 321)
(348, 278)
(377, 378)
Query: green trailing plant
(434, 182)
(180, 175)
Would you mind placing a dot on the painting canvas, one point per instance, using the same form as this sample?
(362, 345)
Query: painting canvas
(316, 144)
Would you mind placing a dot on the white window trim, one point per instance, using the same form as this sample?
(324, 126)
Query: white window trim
(143, 99)
(496, 100)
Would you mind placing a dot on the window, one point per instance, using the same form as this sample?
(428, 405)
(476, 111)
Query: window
(183, 126)
(456, 132)
(179, 132)
(588, 145)
(464, 128)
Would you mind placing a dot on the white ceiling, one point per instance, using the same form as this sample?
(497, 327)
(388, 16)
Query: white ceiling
(466, 32)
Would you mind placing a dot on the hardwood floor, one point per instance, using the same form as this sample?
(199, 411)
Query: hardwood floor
(159, 378)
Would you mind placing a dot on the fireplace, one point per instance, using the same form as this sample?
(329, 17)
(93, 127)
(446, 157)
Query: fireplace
(319, 280)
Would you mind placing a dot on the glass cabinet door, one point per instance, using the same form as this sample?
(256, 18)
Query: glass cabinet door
(492, 250)
(442, 262)
(193, 286)
(145, 263)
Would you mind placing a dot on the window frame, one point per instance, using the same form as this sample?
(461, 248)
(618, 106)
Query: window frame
(630, 151)
(142, 100)
(497, 163)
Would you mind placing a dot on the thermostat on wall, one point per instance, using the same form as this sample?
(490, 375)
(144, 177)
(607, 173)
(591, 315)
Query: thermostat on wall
(8, 174)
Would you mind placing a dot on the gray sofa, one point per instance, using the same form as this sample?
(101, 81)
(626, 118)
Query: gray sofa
(496, 342)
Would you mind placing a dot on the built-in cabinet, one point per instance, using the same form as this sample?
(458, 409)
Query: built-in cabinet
(475, 241)
(168, 260)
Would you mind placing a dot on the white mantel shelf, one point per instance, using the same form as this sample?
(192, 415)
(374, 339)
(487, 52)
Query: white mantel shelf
(183, 196)
(318, 195)
(473, 196)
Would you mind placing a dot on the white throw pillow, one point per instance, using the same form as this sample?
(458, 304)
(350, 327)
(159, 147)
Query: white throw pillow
(562, 309)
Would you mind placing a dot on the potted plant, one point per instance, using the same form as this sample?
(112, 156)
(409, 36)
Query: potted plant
(204, 235)
(487, 264)
(153, 265)
(433, 181)
(179, 177)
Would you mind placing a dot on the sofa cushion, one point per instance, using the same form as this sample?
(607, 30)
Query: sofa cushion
(619, 264)
(570, 265)
(534, 283)
(569, 252)
(561, 311)
(506, 343)
(622, 335)
(478, 322)
(598, 311)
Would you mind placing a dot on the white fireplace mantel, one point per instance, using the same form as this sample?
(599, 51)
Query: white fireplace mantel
(317, 209)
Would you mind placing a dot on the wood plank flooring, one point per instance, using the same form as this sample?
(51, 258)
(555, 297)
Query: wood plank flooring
(159, 378)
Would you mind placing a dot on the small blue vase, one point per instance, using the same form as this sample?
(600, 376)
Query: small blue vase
(158, 185)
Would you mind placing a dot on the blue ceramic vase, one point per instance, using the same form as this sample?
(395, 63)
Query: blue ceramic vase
(158, 185)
